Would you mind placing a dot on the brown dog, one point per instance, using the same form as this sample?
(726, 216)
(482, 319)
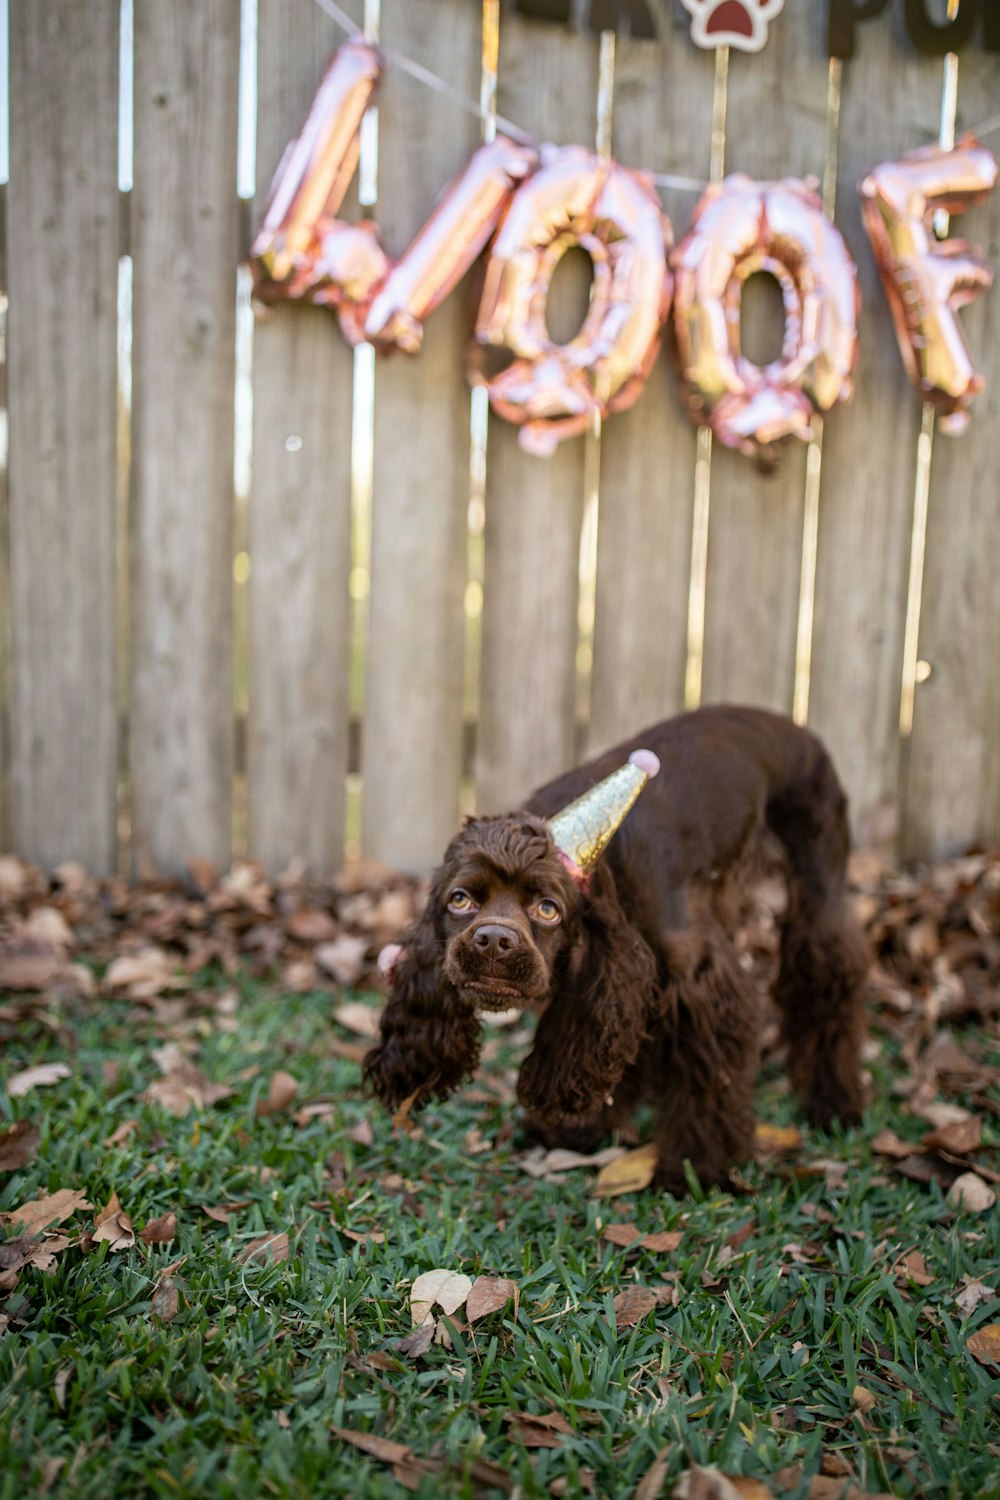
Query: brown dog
(641, 991)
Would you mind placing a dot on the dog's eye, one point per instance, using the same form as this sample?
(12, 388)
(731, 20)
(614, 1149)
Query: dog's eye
(461, 901)
(546, 910)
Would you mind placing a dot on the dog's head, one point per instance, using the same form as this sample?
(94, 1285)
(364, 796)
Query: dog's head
(506, 910)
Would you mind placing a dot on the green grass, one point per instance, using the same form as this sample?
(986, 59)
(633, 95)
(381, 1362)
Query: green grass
(753, 1370)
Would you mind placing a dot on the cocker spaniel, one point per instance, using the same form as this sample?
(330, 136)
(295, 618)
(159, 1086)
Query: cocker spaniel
(640, 990)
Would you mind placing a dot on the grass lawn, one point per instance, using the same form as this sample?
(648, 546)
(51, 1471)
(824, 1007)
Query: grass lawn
(793, 1330)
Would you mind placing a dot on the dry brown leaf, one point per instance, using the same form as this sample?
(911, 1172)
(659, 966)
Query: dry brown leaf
(650, 1486)
(311, 925)
(912, 1267)
(281, 1091)
(663, 1240)
(113, 1225)
(970, 1194)
(862, 1399)
(442, 1288)
(984, 1344)
(539, 1431)
(378, 1447)
(28, 1250)
(184, 1089)
(488, 1294)
(622, 1235)
(973, 1292)
(961, 1137)
(362, 1019)
(37, 1215)
(888, 1143)
(160, 1231)
(121, 1134)
(711, 1484)
(18, 1145)
(144, 975)
(632, 1305)
(417, 1343)
(343, 959)
(27, 964)
(269, 1247)
(629, 1173)
(362, 1133)
(41, 1076)
(48, 925)
(165, 1300)
(774, 1140)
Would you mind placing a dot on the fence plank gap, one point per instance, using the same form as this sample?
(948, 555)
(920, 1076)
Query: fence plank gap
(62, 251)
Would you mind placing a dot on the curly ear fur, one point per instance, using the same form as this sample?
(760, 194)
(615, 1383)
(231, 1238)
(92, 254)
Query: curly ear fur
(429, 1040)
(596, 1022)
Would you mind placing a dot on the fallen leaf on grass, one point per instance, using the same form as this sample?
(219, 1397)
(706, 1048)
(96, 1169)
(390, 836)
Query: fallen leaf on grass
(973, 1292)
(862, 1400)
(442, 1288)
(186, 1088)
(362, 1133)
(773, 1140)
(37, 1215)
(119, 1136)
(540, 1163)
(630, 1237)
(488, 1294)
(712, 1484)
(159, 1231)
(632, 1305)
(546, 1430)
(410, 1469)
(888, 1143)
(912, 1267)
(269, 1247)
(417, 1343)
(961, 1137)
(651, 1483)
(38, 1077)
(984, 1344)
(114, 1225)
(362, 1019)
(28, 1250)
(970, 1194)
(622, 1235)
(165, 1300)
(343, 959)
(144, 975)
(18, 1145)
(629, 1173)
(281, 1091)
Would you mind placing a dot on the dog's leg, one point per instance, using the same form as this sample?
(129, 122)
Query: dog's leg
(710, 1049)
(820, 992)
(824, 956)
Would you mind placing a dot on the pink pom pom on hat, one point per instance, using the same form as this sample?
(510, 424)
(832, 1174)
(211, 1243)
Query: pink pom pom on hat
(583, 830)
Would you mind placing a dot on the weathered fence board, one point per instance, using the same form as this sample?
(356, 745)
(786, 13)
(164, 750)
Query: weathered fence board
(755, 523)
(185, 244)
(412, 743)
(890, 103)
(300, 511)
(953, 794)
(62, 266)
(663, 122)
(547, 84)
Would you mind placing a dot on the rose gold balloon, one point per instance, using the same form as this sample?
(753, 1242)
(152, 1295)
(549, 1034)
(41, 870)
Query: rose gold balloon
(741, 227)
(926, 280)
(553, 391)
(301, 250)
(463, 219)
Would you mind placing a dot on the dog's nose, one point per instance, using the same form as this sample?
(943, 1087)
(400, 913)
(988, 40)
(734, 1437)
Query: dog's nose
(493, 939)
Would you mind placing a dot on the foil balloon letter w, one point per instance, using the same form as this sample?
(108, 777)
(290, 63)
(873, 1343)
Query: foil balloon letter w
(927, 280)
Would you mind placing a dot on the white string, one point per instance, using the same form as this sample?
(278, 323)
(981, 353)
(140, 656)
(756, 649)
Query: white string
(471, 106)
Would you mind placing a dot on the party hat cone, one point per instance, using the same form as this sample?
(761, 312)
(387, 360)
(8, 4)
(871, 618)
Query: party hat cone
(583, 830)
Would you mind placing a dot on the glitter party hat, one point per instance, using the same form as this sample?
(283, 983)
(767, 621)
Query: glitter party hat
(583, 830)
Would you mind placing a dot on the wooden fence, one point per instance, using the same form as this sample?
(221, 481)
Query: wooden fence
(118, 598)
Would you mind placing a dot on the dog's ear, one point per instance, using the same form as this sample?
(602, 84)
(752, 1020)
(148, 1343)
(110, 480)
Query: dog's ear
(429, 1039)
(595, 1023)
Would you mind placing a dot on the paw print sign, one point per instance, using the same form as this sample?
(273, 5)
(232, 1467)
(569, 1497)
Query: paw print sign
(732, 23)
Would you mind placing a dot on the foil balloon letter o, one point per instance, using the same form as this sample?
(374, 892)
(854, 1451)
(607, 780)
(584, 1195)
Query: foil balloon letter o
(553, 391)
(741, 227)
